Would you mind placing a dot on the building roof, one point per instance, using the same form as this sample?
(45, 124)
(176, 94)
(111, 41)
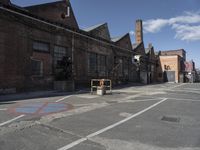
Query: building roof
(93, 27)
(43, 4)
(147, 50)
(165, 51)
(115, 39)
(157, 53)
(19, 11)
(135, 45)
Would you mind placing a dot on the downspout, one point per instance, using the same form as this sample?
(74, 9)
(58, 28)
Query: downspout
(73, 66)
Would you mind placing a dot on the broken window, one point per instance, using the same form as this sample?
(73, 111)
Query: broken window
(59, 53)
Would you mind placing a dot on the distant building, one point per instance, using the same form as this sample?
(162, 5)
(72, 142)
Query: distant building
(190, 72)
(145, 58)
(171, 66)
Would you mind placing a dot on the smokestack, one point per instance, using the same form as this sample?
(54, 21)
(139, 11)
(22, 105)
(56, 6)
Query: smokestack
(138, 31)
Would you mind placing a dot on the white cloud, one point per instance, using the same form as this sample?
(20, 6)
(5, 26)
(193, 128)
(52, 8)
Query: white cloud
(132, 33)
(155, 25)
(189, 18)
(187, 32)
(187, 26)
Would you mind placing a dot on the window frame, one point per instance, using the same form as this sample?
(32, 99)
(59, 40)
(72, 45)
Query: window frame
(40, 42)
(66, 54)
(41, 68)
(90, 71)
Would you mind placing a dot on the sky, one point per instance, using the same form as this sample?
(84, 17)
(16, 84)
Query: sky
(168, 24)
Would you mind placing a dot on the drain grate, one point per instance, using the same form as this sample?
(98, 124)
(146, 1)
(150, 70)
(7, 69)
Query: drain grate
(171, 119)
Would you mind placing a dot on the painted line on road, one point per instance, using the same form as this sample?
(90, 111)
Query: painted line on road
(3, 109)
(62, 99)
(179, 99)
(177, 86)
(9, 121)
(186, 91)
(73, 144)
(146, 100)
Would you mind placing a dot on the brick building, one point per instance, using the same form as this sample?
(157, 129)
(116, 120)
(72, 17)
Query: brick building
(190, 71)
(171, 66)
(151, 64)
(145, 56)
(34, 40)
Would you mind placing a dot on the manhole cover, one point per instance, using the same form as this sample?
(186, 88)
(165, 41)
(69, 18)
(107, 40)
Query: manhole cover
(171, 119)
(40, 108)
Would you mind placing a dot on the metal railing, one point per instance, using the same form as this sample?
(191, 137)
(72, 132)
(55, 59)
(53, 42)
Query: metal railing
(101, 83)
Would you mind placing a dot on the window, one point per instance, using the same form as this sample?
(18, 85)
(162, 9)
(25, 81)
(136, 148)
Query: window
(102, 65)
(59, 53)
(41, 46)
(126, 66)
(120, 67)
(92, 62)
(160, 75)
(37, 67)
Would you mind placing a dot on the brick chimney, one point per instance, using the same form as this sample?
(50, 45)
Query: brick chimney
(138, 31)
(5, 2)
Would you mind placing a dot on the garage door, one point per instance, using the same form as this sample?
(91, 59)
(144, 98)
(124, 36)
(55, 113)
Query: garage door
(169, 76)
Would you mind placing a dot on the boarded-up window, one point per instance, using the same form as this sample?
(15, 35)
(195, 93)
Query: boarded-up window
(41, 46)
(59, 53)
(36, 67)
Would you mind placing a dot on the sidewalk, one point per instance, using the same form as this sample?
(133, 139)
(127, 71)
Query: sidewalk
(52, 93)
(30, 95)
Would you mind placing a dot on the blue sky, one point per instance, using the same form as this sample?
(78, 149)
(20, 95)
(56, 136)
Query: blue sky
(168, 24)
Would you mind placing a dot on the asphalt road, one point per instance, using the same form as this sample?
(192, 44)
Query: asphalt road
(153, 117)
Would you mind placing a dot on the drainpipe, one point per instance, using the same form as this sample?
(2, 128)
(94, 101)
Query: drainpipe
(73, 68)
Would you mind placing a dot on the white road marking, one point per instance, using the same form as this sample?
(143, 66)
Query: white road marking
(110, 127)
(177, 86)
(3, 109)
(62, 99)
(186, 91)
(9, 121)
(146, 100)
(180, 99)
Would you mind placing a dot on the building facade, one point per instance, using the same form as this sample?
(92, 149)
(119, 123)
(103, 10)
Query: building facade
(171, 66)
(42, 44)
(42, 37)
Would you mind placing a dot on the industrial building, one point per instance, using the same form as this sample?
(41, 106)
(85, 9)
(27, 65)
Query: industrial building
(42, 45)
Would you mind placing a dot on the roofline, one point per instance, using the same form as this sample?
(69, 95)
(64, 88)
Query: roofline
(169, 56)
(138, 45)
(172, 50)
(121, 37)
(47, 22)
(97, 26)
(43, 4)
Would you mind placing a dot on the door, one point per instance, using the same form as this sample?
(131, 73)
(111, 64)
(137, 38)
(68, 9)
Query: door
(169, 76)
